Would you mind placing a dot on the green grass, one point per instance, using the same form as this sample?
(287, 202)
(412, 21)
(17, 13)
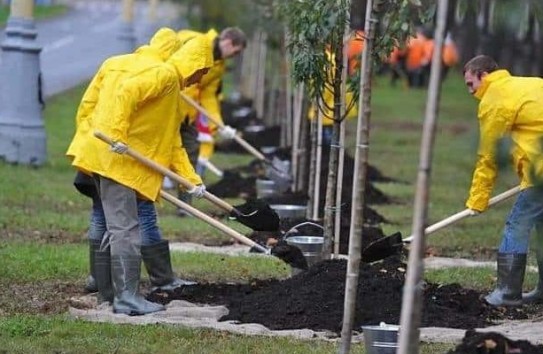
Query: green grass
(43, 222)
(40, 12)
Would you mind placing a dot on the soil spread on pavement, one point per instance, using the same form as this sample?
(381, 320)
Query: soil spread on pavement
(314, 299)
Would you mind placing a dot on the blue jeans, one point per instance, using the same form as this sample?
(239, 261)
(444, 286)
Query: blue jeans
(525, 216)
(147, 217)
(327, 134)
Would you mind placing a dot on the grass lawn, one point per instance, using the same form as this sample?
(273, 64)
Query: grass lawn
(40, 12)
(43, 221)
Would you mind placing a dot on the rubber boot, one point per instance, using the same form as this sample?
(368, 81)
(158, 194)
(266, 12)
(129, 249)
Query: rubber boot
(90, 285)
(102, 274)
(508, 292)
(125, 273)
(536, 295)
(159, 267)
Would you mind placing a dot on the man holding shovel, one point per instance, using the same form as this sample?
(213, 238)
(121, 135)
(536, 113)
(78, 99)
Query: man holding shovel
(154, 249)
(509, 106)
(134, 99)
(197, 132)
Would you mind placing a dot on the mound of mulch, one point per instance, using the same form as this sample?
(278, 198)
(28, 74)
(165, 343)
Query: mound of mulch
(314, 299)
(493, 343)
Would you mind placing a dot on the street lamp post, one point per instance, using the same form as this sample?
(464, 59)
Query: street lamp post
(126, 34)
(22, 132)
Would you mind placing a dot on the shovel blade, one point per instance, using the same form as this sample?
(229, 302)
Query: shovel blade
(279, 172)
(257, 215)
(382, 248)
(290, 254)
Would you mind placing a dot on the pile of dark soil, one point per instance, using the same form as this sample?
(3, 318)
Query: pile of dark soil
(314, 299)
(494, 343)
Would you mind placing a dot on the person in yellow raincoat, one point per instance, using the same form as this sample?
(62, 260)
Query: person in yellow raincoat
(154, 249)
(197, 132)
(509, 106)
(134, 99)
(328, 104)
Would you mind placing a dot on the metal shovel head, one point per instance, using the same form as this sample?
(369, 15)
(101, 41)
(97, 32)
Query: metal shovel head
(279, 172)
(290, 254)
(382, 248)
(256, 215)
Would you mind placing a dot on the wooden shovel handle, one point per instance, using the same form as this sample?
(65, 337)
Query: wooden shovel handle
(166, 172)
(206, 218)
(465, 213)
(237, 138)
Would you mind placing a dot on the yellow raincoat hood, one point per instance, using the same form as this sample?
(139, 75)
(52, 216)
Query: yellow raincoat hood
(164, 42)
(194, 55)
(134, 98)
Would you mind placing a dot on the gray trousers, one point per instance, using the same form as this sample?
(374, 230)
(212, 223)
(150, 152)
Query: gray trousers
(189, 136)
(121, 212)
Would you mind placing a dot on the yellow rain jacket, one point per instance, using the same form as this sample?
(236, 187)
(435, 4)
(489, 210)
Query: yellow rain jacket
(135, 100)
(206, 92)
(509, 105)
(328, 98)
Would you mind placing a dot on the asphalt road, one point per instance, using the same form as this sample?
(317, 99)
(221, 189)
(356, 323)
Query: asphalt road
(74, 45)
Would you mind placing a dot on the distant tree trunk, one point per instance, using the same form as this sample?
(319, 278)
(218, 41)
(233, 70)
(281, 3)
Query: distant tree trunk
(466, 31)
(260, 81)
(312, 168)
(301, 183)
(297, 122)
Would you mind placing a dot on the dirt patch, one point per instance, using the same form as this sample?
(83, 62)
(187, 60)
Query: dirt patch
(43, 297)
(314, 300)
(494, 343)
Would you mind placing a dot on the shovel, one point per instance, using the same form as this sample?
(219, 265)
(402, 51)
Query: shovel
(393, 244)
(262, 218)
(291, 255)
(278, 172)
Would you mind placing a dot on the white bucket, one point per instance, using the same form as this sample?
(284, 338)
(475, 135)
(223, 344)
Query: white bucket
(381, 339)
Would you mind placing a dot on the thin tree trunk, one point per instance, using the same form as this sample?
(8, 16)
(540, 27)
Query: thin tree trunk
(318, 169)
(359, 178)
(329, 205)
(412, 294)
(331, 184)
(312, 169)
(301, 184)
(341, 162)
(261, 73)
(288, 105)
(298, 98)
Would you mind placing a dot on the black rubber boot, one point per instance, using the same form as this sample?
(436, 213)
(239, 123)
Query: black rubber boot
(159, 267)
(126, 271)
(90, 285)
(511, 269)
(102, 274)
(536, 295)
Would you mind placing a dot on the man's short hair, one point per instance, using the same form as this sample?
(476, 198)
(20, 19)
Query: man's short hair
(481, 64)
(235, 34)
